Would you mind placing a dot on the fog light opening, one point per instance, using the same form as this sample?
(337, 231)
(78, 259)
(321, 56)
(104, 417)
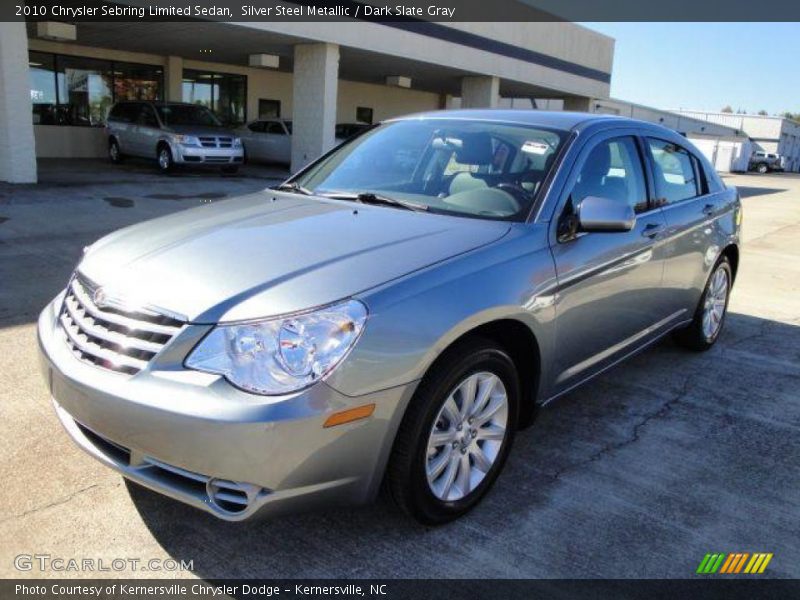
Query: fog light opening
(230, 497)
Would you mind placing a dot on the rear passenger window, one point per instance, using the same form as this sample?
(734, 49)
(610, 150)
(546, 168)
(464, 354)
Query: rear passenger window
(675, 171)
(275, 128)
(126, 113)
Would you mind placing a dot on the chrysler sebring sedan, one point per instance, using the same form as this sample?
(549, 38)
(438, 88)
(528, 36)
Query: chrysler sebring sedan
(390, 316)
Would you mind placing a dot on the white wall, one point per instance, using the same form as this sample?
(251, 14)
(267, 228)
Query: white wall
(56, 141)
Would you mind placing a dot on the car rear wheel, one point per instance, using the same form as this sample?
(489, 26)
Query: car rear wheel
(164, 156)
(709, 318)
(456, 434)
(114, 154)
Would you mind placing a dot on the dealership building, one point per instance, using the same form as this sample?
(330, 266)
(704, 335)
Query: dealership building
(58, 80)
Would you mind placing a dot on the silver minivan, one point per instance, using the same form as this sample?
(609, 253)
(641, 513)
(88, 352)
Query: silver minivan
(392, 314)
(172, 133)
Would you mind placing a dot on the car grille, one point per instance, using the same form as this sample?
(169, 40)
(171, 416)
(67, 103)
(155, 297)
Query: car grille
(216, 142)
(111, 338)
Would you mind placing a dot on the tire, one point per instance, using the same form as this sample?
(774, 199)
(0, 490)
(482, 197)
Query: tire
(413, 463)
(114, 153)
(762, 168)
(231, 170)
(698, 336)
(164, 159)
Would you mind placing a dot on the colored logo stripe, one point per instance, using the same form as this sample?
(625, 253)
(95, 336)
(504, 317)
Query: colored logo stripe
(710, 563)
(734, 562)
(758, 563)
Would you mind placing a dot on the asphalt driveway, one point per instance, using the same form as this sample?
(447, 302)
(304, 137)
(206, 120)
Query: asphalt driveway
(639, 474)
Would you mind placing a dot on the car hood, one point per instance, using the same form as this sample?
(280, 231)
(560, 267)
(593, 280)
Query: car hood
(200, 130)
(272, 253)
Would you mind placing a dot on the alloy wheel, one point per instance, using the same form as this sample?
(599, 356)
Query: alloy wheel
(164, 159)
(467, 436)
(715, 303)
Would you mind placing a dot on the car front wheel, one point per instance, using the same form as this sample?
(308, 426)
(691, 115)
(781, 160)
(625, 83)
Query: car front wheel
(709, 316)
(456, 434)
(762, 168)
(164, 156)
(114, 154)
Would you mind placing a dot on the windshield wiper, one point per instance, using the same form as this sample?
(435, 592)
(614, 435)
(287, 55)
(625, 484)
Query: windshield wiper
(294, 188)
(373, 198)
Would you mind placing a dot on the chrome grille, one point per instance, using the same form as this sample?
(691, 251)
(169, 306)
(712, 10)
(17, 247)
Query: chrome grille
(216, 142)
(112, 338)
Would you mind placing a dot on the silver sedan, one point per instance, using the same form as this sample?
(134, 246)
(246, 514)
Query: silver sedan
(394, 313)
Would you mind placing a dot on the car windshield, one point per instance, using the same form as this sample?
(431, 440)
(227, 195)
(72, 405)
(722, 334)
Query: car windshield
(469, 168)
(187, 114)
(288, 126)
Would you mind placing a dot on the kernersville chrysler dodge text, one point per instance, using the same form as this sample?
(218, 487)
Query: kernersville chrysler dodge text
(392, 314)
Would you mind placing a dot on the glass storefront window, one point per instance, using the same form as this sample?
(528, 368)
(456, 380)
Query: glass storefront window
(73, 90)
(41, 68)
(84, 90)
(137, 82)
(224, 94)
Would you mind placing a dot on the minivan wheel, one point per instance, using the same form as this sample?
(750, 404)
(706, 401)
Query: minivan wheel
(165, 162)
(456, 434)
(762, 168)
(709, 318)
(114, 153)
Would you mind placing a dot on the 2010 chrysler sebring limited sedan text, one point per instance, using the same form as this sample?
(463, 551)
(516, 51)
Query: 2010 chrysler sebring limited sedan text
(391, 314)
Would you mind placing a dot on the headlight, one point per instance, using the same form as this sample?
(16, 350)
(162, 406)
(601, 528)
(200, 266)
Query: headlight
(186, 140)
(281, 355)
(237, 142)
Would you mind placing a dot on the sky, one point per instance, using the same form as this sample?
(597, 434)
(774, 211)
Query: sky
(706, 66)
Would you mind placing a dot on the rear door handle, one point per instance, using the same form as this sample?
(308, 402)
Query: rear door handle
(709, 210)
(651, 230)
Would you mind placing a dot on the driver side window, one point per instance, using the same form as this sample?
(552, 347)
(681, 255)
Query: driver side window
(613, 170)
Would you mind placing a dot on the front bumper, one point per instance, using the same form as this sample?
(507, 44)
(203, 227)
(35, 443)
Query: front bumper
(194, 437)
(194, 155)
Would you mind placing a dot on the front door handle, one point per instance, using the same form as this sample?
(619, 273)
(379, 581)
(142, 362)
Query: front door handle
(651, 230)
(708, 210)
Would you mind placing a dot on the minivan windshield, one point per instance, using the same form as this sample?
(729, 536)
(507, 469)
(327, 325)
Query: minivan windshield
(470, 168)
(187, 114)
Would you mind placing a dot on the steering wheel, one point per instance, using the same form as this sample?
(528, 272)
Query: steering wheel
(520, 194)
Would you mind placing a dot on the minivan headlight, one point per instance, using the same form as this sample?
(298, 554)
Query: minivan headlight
(283, 354)
(237, 142)
(186, 140)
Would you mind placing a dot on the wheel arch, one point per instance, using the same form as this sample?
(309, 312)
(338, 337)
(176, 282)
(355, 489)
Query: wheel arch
(731, 252)
(161, 143)
(521, 344)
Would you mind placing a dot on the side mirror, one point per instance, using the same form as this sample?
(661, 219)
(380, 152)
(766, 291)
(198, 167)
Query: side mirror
(605, 215)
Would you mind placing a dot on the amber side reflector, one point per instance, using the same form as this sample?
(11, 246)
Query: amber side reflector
(352, 414)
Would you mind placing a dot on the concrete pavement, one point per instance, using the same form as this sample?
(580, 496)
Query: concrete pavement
(639, 474)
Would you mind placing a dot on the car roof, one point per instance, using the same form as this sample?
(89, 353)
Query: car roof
(564, 120)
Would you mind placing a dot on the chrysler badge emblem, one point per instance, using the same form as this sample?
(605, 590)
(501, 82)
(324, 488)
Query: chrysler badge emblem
(99, 297)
